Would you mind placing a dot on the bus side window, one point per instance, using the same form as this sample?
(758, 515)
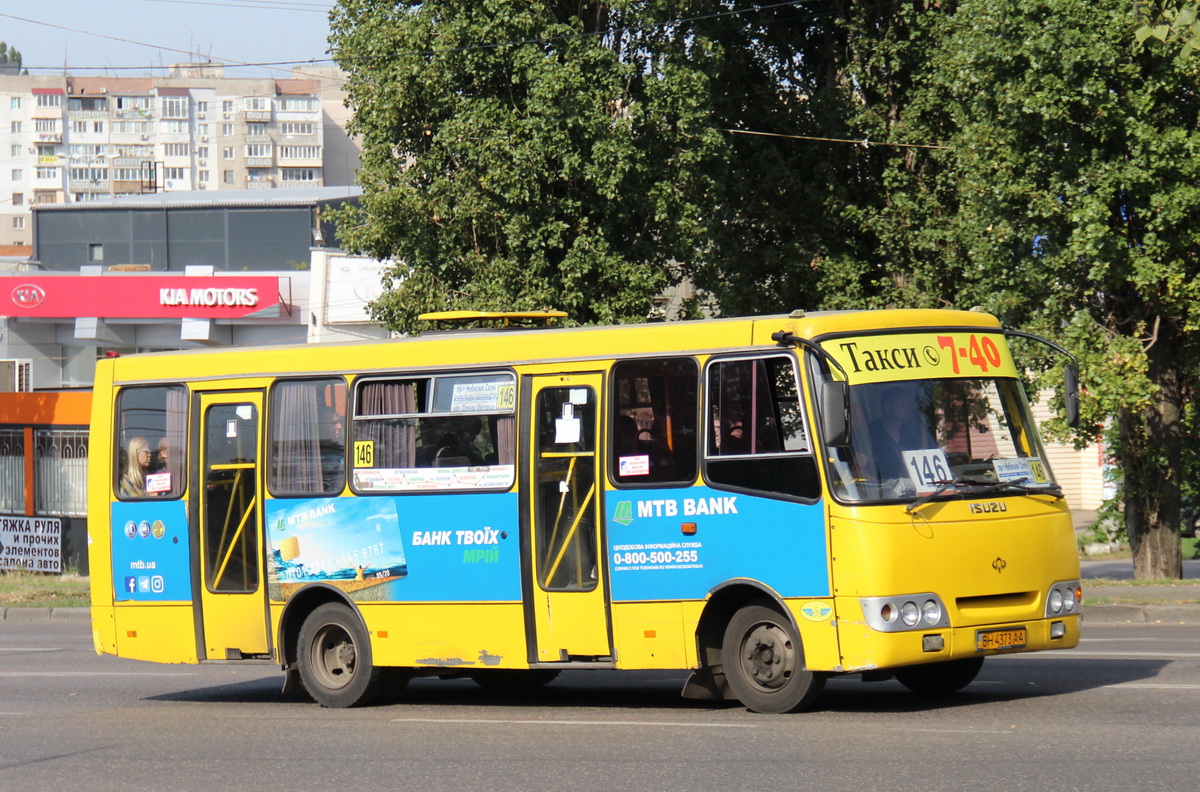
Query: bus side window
(151, 442)
(757, 437)
(422, 433)
(308, 437)
(652, 437)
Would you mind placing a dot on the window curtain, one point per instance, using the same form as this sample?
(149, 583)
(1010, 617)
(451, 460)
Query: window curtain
(297, 458)
(394, 439)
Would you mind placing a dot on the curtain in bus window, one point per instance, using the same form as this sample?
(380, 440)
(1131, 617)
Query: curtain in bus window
(394, 438)
(297, 454)
(174, 437)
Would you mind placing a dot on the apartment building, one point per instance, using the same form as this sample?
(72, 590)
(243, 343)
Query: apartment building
(66, 139)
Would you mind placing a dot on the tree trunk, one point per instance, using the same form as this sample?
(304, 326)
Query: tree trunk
(1151, 459)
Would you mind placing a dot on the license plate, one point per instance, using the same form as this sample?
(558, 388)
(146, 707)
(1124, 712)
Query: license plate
(986, 640)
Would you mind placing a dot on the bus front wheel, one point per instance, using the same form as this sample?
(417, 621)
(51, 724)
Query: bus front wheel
(940, 679)
(334, 658)
(764, 662)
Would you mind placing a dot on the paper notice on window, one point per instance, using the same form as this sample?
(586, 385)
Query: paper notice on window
(566, 430)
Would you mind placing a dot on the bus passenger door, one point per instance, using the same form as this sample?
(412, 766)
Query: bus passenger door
(232, 595)
(562, 519)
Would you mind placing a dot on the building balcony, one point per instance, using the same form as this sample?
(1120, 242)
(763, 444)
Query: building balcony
(261, 184)
(260, 162)
(257, 115)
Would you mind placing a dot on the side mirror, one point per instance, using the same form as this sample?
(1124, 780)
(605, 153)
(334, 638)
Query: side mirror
(835, 413)
(1071, 394)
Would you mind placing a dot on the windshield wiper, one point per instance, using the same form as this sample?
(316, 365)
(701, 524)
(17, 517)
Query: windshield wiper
(981, 485)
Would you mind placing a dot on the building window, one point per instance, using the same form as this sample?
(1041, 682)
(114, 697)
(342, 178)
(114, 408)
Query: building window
(227, 106)
(202, 130)
(174, 127)
(18, 199)
(300, 152)
(297, 104)
(17, 174)
(202, 176)
(258, 150)
(227, 152)
(15, 150)
(98, 126)
(16, 103)
(89, 174)
(47, 172)
(201, 107)
(45, 125)
(95, 252)
(298, 174)
(257, 104)
(296, 128)
(177, 149)
(227, 177)
(16, 127)
(175, 173)
(227, 130)
(127, 174)
(256, 128)
(49, 100)
(45, 150)
(79, 127)
(175, 107)
(60, 472)
(202, 152)
(18, 224)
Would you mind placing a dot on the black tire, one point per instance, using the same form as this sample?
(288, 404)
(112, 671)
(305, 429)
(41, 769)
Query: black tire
(334, 658)
(513, 680)
(764, 662)
(940, 679)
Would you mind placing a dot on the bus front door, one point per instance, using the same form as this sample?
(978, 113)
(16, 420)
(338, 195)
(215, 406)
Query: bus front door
(233, 596)
(563, 520)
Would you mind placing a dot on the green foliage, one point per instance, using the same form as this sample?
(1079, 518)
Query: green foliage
(1169, 23)
(522, 155)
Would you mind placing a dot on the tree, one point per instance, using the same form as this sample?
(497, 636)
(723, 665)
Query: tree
(1077, 209)
(529, 155)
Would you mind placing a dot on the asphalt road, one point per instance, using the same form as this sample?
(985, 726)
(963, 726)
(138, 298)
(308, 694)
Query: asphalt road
(1120, 712)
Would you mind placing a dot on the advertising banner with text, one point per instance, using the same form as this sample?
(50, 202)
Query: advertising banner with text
(140, 296)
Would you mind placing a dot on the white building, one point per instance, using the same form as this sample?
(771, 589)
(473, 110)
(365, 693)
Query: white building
(74, 139)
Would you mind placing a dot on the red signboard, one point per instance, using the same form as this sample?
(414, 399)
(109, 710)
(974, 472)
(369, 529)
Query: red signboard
(140, 296)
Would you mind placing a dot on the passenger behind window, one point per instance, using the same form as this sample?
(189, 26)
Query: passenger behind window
(133, 480)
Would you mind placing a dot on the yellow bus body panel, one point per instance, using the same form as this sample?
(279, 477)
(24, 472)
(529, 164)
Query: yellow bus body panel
(461, 635)
(652, 635)
(162, 633)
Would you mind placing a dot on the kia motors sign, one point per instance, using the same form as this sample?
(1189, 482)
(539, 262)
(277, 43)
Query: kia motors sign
(140, 296)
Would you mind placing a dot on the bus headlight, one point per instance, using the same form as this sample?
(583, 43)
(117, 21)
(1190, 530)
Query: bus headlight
(905, 612)
(1063, 598)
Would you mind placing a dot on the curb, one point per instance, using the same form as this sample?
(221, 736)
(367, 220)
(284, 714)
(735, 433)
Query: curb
(1164, 613)
(45, 614)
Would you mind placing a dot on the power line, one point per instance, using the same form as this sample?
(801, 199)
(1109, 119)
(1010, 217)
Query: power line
(865, 142)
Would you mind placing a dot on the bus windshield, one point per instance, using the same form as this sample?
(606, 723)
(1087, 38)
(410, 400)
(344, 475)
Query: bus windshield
(911, 438)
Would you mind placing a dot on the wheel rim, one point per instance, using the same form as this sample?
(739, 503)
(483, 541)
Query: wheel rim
(768, 657)
(334, 656)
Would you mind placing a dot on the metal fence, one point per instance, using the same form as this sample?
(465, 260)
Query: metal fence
(60, 472)
(12, 471)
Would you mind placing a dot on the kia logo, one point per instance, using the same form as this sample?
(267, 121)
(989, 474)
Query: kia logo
(28, 295)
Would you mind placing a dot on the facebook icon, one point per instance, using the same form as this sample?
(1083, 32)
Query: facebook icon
(131, 584)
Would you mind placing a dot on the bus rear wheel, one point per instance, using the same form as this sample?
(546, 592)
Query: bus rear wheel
(334, 657)
(764, 662)
(940, 679)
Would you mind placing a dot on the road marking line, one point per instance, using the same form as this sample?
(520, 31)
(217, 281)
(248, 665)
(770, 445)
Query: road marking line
(1153, 686)
(30, 649)
(1072, 653)
(94, 673)
(578, 723)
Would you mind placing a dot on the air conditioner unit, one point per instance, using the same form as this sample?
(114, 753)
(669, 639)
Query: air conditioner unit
(204, 138)
(15, 376)
(202, 116)
(203, 163)
(145, 137)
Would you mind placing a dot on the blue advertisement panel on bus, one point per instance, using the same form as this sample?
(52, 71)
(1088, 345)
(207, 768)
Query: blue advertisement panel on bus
(151, 552)
(449, 548)
(780, 543)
